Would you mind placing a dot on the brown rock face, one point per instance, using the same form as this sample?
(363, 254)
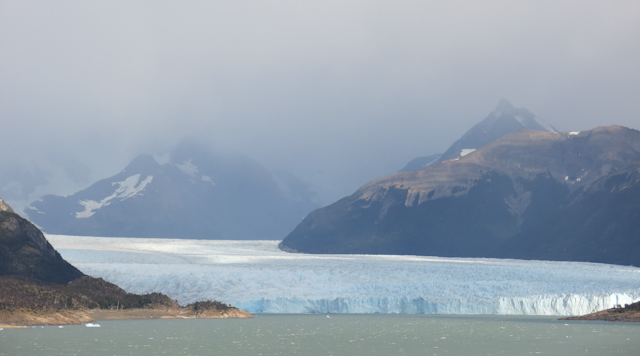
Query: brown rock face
(576, 159)
(503, 200)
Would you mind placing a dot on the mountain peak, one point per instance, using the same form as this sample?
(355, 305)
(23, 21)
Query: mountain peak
(143, 162)
(504, 119)
(504, 105)
(5, 207)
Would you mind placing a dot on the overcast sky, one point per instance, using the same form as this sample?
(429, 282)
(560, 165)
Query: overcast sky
(338, 92)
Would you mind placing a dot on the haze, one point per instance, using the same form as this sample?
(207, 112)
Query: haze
(337, 92)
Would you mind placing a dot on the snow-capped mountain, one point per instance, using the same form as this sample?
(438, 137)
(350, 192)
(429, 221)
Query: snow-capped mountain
(197, 194)
(504, 119)
(531, 194)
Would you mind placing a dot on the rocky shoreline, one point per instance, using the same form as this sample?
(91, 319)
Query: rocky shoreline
(630, 313)
(182, 313)
(20, 319)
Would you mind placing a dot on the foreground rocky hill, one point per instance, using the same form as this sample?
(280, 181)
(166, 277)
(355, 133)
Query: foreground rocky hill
(26, 253)
(540, 195)
(37, 286)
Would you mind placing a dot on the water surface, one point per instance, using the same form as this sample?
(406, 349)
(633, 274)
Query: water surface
(340, 334)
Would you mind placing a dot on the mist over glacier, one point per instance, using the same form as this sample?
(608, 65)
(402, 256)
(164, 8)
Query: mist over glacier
(259, 278)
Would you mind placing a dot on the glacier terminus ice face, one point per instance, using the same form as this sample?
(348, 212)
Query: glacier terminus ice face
(259, 278)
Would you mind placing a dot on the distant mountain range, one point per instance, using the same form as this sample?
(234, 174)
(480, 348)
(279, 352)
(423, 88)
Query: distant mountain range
(530, 194)
(196, 194)
(504, 119)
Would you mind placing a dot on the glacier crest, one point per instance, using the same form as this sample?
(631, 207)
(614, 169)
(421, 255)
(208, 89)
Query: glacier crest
(259, 278)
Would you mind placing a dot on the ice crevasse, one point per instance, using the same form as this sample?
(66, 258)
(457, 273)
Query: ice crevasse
(259, 278)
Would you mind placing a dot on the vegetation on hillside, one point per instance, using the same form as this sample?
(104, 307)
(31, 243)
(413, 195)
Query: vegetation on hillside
(37, 286)
(630, 313)
(82, 294)
(203, 307)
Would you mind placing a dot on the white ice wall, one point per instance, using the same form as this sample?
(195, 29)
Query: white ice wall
(257, 277)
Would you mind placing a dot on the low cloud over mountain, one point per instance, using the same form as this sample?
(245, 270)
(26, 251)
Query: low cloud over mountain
(196, 194)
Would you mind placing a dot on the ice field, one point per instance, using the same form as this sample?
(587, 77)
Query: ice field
(259, 278)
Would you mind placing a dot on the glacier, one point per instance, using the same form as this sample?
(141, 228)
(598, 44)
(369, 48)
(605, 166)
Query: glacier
(259, 278)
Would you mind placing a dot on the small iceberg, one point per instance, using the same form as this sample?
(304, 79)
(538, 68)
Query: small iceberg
(92, 325)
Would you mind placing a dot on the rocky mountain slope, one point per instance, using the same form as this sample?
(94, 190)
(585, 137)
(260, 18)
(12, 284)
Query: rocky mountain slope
(530, 194)
(197, 194)
(504, 119)
(419, 163)
(37, 286)
(26, 253)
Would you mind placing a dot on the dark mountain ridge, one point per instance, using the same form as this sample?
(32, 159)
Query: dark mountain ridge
(504, 200)
(26, 253)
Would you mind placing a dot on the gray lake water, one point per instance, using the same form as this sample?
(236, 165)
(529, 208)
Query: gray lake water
(340, 334)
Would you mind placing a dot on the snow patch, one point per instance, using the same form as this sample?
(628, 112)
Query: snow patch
(520, 120)
(126, 190)
(432, 162)
(89, 207)
(574, 133)
(466, 151)
(188, 168)
(208, 179)
(259, 278)
(544, 124)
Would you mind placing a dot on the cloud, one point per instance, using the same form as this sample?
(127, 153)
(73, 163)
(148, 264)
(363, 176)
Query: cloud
(337, 92)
